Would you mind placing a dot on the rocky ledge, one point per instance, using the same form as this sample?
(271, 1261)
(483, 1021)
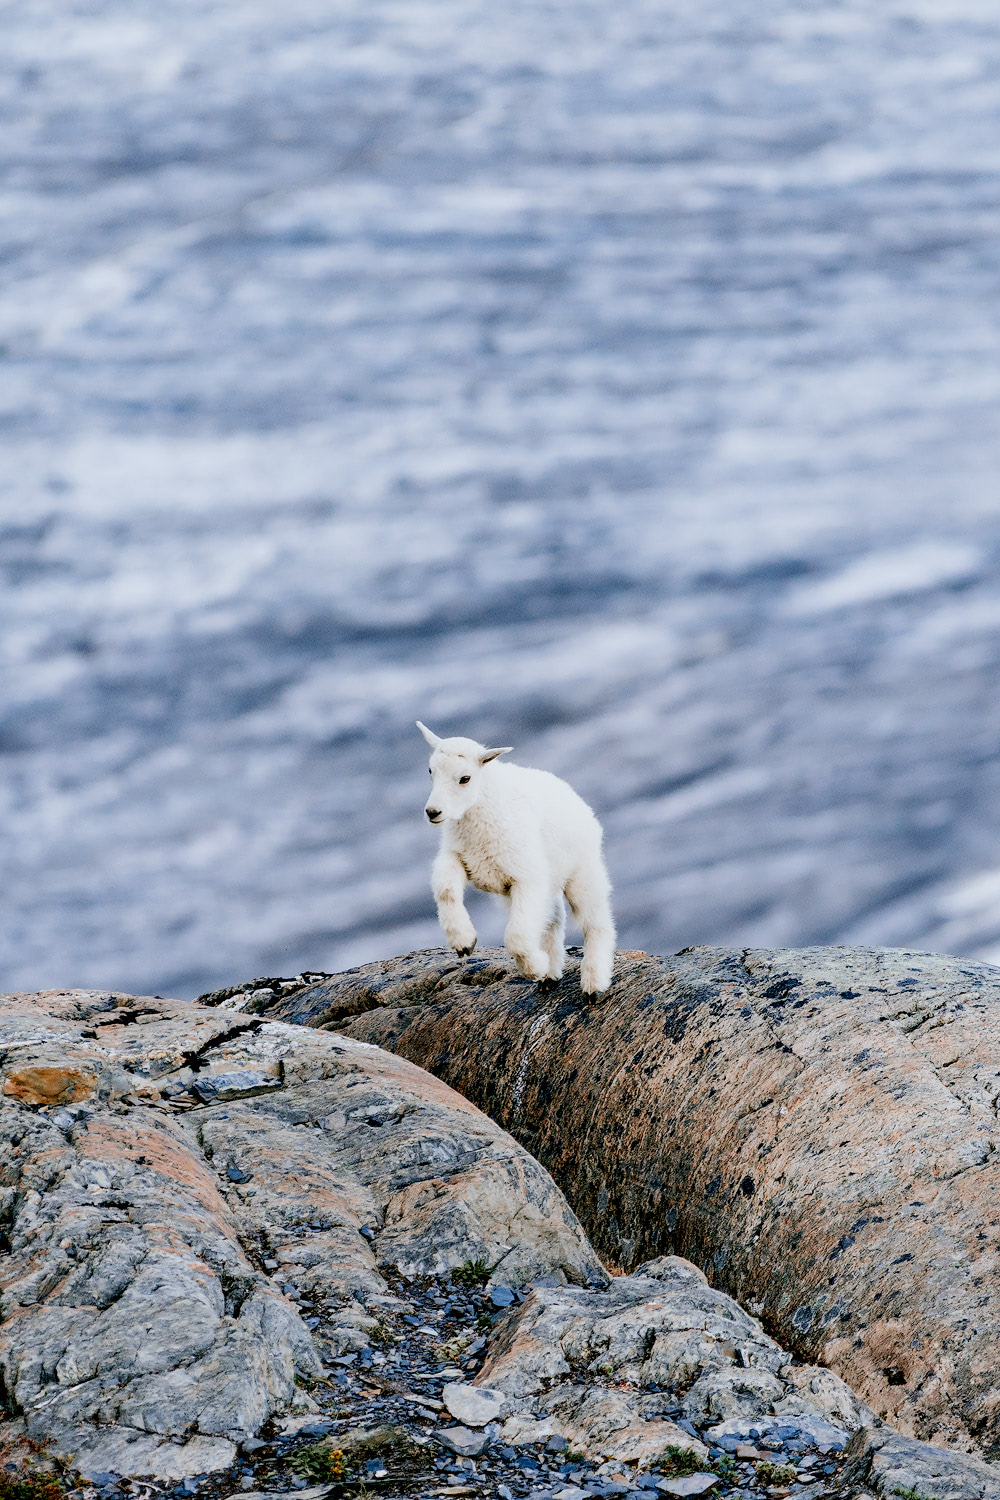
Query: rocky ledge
(817, 1129)
(198, 1209)
(245, 1257)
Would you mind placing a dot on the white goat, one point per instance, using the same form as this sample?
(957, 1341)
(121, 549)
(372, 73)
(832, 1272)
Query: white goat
(524, 835)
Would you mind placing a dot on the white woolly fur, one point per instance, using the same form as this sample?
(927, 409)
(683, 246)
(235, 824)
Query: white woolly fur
(524, 835)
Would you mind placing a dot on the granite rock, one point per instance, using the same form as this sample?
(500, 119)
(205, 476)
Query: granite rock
(474, 1406)
(603, 1423)
(463, 1441)
(688, 1484)
(817, 1129)
(663, 1327)
(178, 1182)
(733, 1393)
(669, 1330)
(888, 1463)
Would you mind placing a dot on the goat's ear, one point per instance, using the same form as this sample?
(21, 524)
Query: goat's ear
(489, 755)
(431, 739)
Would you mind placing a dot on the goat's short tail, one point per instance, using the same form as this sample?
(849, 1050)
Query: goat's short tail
(589, 897)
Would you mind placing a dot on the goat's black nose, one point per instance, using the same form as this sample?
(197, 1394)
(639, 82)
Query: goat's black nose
(433, 813)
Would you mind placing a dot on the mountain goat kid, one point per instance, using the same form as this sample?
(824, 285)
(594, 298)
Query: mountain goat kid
(526, 836)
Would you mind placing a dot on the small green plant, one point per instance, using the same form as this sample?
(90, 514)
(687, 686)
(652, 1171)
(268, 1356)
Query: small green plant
(473, 1273)
(769, 1473)
(484, 1321)
(22, 1476)
(913, 1495)
(29, 1484)
(572, 1457)
(319, 1462)
(725, 1467)
(679, 1461)
(381, 1332)
(324, 1464)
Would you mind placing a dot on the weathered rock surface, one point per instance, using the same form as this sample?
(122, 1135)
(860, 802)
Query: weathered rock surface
(474, 1407)
(176, 1180)
(603, 1359)
(203, 1205)
(463, 1441)
(664, 1325)
(889, 1464)
(816, 1128)
(692, 1484)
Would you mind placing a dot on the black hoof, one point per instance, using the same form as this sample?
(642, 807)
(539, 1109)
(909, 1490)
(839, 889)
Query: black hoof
(464, 952)
(545, 985)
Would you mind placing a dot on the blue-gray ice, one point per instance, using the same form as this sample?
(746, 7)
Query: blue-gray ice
(617, 380)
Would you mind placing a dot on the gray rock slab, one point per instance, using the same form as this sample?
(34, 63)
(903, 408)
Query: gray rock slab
(241, 1084)
(312, 1493)
(475, 1406)
(162, 1166)
(689, 1484)
(888, 1462)
(121, 1450)
(463, 1441)
(840, 1106)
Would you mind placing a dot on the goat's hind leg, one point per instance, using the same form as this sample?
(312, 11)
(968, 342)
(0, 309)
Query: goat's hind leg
(589, 897)
(554, 943)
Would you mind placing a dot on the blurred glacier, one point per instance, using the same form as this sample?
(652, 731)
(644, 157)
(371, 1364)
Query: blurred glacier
(617, 381)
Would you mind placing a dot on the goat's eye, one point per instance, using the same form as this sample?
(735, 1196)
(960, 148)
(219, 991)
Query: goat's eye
(463, 779)
(429, 771)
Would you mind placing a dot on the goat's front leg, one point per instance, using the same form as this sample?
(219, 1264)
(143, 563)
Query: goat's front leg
(530, 908)
(448, 884)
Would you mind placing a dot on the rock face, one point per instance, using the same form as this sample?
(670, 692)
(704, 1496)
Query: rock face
(892, 1465)
(176, 1181)
(602, 1358)
(817, 1129)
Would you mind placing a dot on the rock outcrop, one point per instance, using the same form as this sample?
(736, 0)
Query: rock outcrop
(206, 1208)
(816, 1129)
(882, 1460)
(601, 1360)
(198, 1206)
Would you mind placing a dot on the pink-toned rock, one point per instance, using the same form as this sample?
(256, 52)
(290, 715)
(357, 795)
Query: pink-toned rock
(141, 1327)
(817, 1129)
